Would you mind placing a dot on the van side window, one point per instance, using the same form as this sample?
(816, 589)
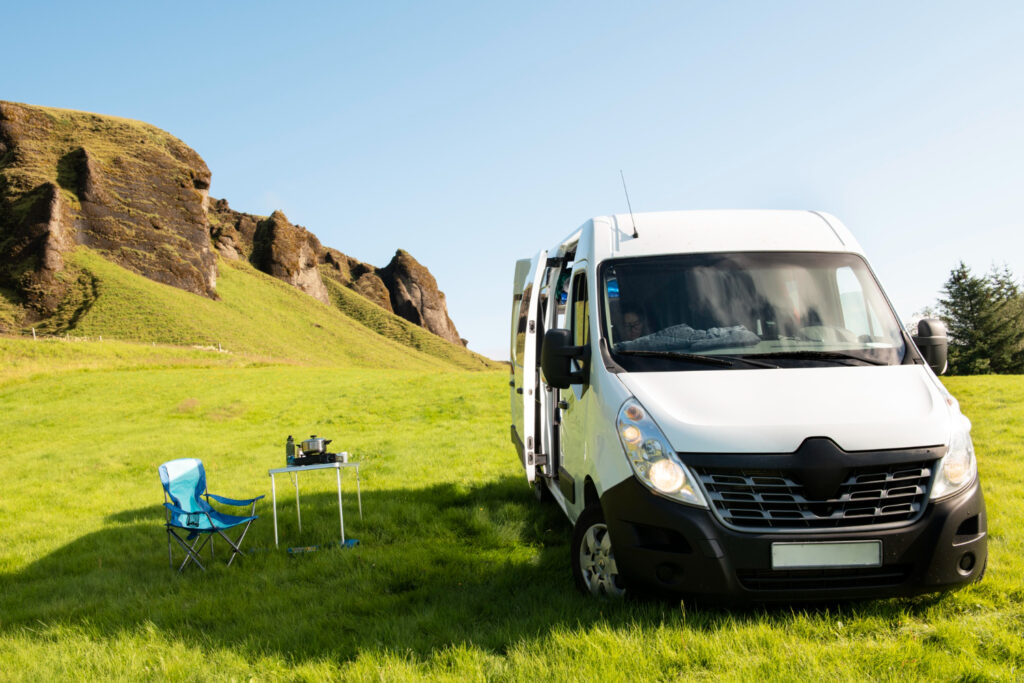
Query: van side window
(524, 312)
(580, 311)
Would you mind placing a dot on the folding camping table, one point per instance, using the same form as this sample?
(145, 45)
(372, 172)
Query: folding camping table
(294, 472)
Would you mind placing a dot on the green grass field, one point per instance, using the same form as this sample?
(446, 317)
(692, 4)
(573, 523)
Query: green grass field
(460, 574)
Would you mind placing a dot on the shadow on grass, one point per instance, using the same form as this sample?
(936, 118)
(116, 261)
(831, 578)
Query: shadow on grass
(484, 566)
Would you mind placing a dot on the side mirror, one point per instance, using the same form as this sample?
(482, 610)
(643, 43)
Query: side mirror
(933, 344)
(556, 354)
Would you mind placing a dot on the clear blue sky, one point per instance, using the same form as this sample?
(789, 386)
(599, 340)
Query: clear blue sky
(472, 134)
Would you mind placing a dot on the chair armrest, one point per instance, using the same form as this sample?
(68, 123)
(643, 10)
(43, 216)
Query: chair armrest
(232, 501)
(175, 509)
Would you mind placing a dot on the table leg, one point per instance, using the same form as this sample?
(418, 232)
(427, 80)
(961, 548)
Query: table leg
(359, 493)
(273, 497)
(341, 515)
(298, 506)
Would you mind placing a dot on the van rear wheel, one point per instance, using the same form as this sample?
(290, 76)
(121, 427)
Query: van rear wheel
(593, 560)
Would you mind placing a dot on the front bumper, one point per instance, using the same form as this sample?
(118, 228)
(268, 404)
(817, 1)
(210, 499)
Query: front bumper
(685, 550)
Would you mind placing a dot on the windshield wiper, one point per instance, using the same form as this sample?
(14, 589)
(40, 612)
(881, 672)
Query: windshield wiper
(678, 355)
(717, 359)
(815, 355)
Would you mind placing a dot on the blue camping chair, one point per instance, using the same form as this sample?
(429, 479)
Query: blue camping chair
(184, 483)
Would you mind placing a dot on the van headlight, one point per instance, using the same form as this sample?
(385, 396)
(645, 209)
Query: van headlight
(958, 467)
(652, 458)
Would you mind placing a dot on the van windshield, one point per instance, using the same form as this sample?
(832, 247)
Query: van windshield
(775, 309)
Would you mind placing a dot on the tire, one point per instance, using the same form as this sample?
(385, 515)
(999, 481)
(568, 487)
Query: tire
(593, 561)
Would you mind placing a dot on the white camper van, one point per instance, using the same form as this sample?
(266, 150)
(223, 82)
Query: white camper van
(726, 406)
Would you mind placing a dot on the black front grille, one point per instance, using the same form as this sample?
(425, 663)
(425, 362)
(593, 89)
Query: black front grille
(777, 499)
(822, 579)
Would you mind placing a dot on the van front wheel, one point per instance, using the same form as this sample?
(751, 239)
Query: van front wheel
(593, 561)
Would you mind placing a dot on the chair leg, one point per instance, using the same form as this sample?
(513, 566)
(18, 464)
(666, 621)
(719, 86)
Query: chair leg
(236, 550)
(191, 551)
(195, 549)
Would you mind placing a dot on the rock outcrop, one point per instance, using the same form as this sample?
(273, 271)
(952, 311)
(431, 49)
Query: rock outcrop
(290, 253)
(33, 248)
(124, 188)
(360, 277)
(275, 246)
(415, 296)
(231, 231)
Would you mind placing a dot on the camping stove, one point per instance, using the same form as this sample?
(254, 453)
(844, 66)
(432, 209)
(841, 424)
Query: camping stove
(312, 451)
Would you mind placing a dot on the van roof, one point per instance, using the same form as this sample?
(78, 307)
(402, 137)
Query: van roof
(680, 232)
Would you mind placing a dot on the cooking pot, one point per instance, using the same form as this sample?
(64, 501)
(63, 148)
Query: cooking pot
(315, 444)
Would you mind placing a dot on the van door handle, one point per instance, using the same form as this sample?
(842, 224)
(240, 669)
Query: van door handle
(519, 390)
(563, 405)
(511, 382)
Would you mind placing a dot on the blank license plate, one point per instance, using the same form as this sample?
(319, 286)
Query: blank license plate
(816, 555)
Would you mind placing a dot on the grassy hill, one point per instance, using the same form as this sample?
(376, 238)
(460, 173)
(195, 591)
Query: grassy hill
(257, 315)
(460, 574)
(389, 325)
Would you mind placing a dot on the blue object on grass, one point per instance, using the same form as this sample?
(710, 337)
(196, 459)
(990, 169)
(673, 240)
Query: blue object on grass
(184, 483)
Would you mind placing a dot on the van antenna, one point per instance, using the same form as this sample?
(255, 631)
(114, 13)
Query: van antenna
(628, 204)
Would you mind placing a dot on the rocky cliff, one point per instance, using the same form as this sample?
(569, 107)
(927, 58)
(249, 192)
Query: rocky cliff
(295, 255)
(290, 253)
(415, 296)
(140, 197)
(357, 276)
(124, 188)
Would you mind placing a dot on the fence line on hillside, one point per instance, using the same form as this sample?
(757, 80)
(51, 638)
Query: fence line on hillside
(67, 337)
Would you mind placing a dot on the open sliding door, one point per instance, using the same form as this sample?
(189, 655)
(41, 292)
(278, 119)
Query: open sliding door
(531, 369)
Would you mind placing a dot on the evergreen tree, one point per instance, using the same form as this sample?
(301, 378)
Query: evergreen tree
(985, 320)
(967, 312)
(1007, 346)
